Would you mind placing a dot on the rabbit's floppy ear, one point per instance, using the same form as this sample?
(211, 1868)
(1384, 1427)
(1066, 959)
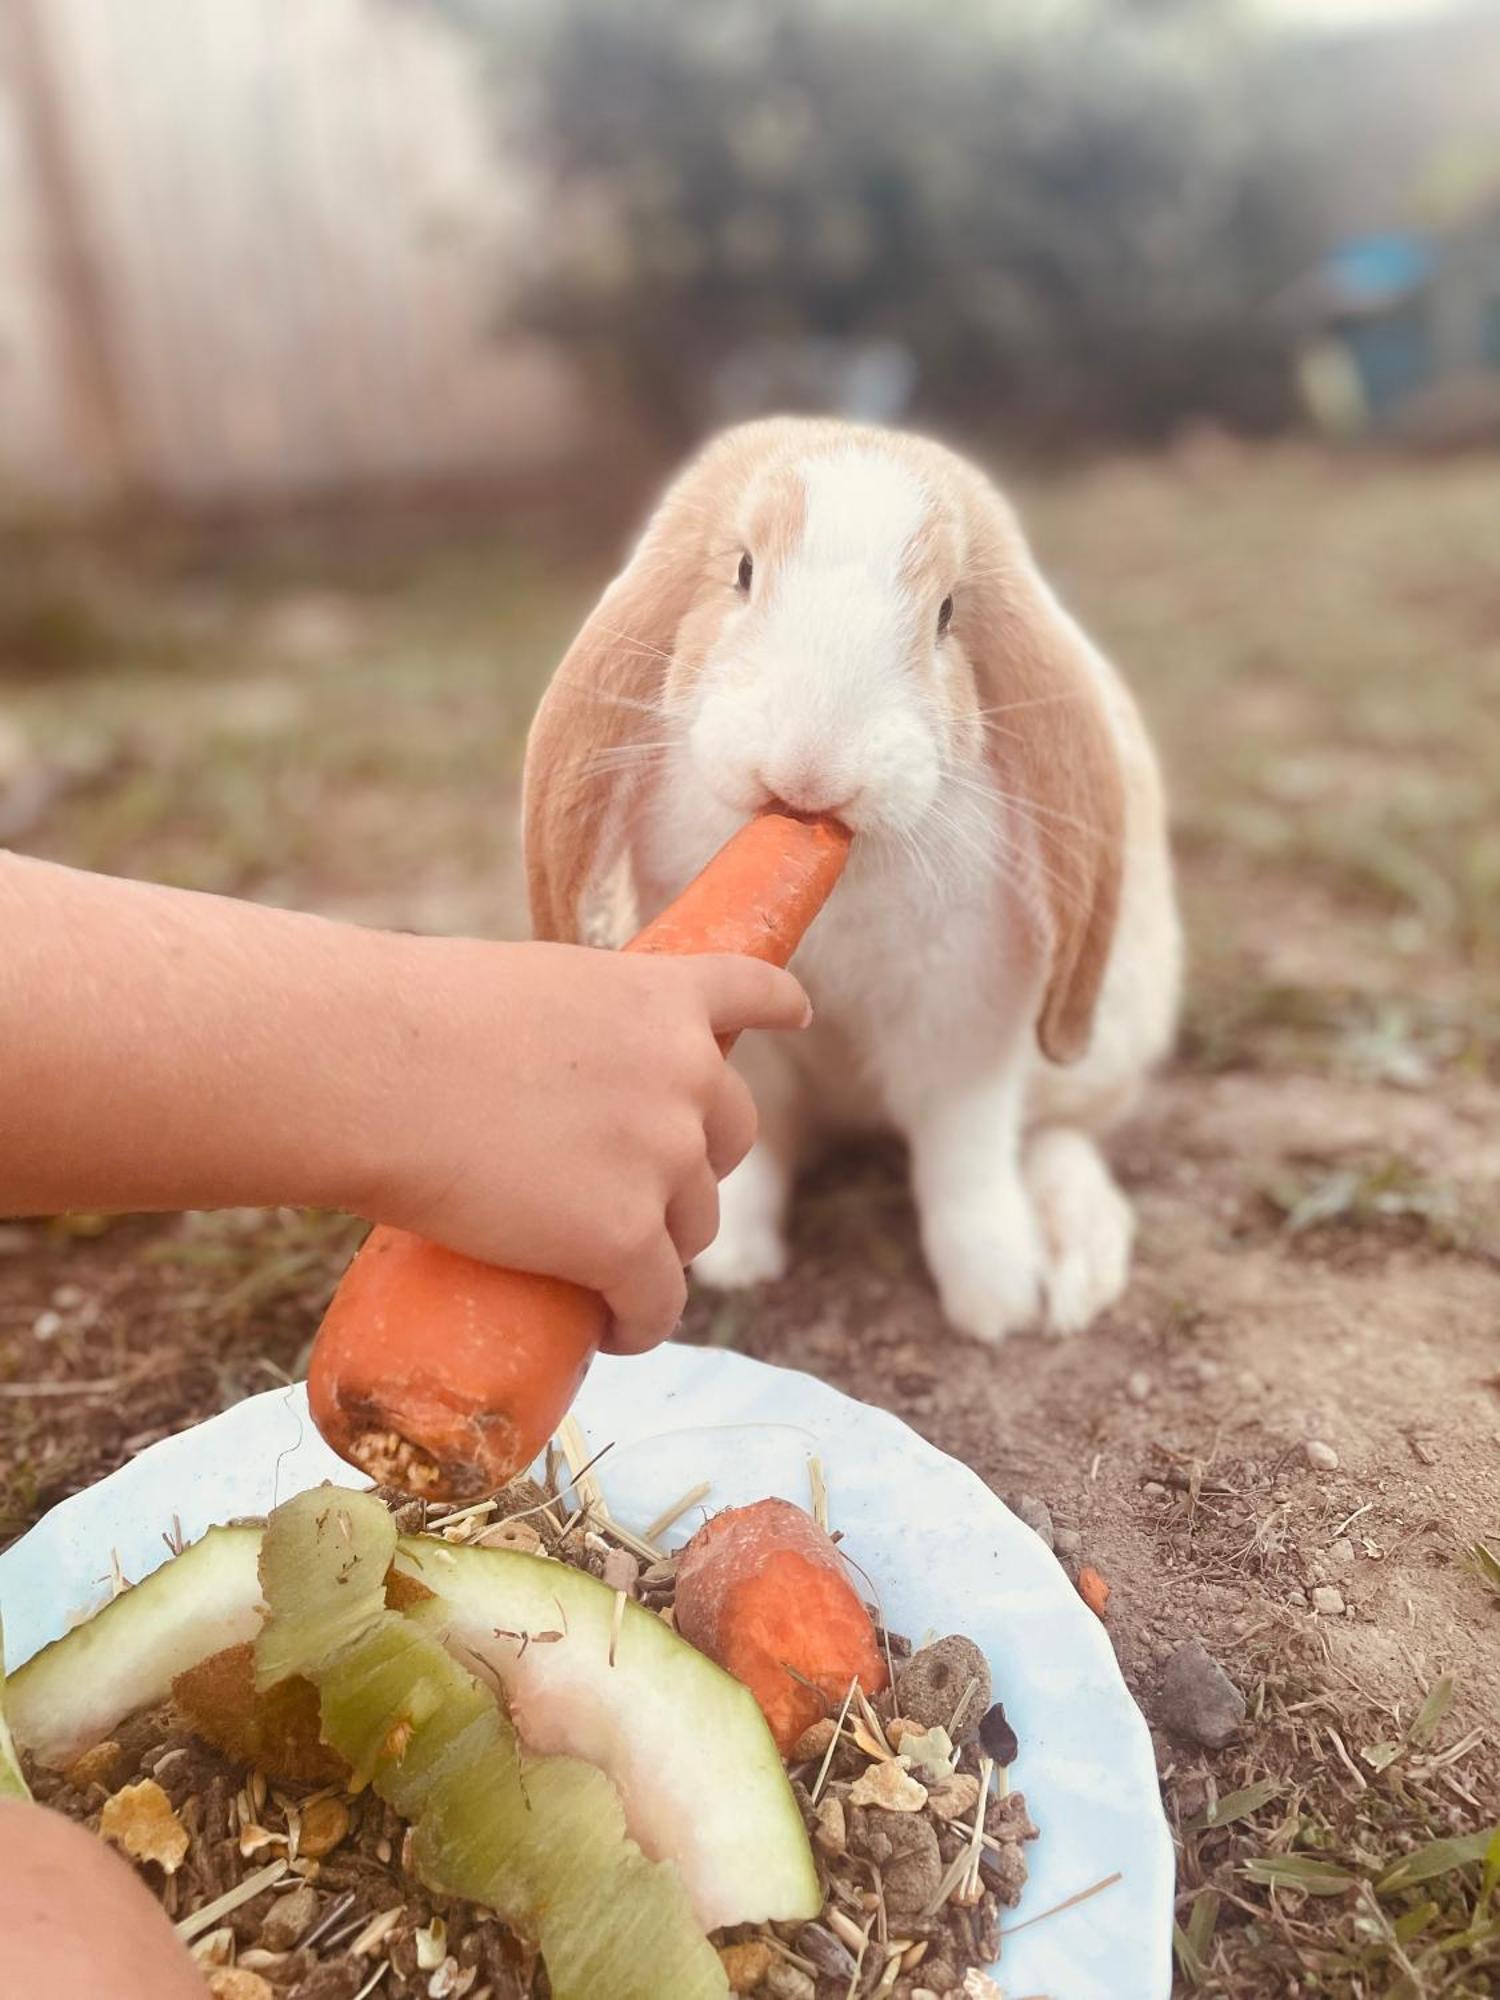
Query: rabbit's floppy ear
(1043, 696)
(603, 699)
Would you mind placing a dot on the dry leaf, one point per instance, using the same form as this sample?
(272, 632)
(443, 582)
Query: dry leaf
(139, 1819)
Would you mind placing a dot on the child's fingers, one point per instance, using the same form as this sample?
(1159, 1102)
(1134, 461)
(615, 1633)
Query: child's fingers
(693, 1216)
(730, 1124)
(747, 993)
(647, 1299)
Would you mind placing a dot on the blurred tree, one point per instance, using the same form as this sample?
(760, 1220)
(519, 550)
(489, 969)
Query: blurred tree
(1070, 214)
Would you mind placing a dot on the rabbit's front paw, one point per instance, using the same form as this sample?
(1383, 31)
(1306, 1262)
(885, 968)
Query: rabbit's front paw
(986, 1257)
(750, 1248)
(1087, 1227)
(744, 1253)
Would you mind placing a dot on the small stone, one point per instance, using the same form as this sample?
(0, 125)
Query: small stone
(979, 1986)
(1007, 1818)
(289, 1918)
(1327, 1601)
(1297, 1597)
(1198, 1699)
(1138, 1386)
(1341, 1552)
(948, 1682)
(47, 1325)
(324, 1824)
(1035, 1513)
(904, 1847)
(68, 1298)
(746, 1965)
(1249, 1383)
(1004, 1870)
(232, 1982)
(1154, 1490)
(956, 1797)
(790, 1982)
(1067, 1541)
(1322, 1457)
(830, 1830)
(821, 1948)
(813, 1743)
(888, 1787)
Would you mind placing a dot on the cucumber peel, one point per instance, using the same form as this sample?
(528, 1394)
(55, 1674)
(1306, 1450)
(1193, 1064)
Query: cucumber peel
(13, 1784)
(584, 1673)
(604, 1679)
(539, 1839)
(73, 1692)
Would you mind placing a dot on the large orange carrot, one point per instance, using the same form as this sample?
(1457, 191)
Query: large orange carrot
(763, 1591)
(444, 1376)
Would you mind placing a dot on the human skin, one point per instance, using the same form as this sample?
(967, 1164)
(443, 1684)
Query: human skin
(540, 1106)
(77, 1924)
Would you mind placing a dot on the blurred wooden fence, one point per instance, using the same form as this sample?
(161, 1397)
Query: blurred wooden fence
(250, 249)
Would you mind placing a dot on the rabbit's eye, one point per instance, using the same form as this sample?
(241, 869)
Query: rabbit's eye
(747, 570)
(945, 614)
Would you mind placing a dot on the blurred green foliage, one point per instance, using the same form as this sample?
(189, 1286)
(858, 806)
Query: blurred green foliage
(1071, 216)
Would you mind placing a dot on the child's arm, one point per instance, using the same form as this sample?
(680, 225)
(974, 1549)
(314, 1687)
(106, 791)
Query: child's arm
(542, 1106)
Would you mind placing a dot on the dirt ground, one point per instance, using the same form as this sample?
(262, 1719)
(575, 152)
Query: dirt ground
(1318, 1174)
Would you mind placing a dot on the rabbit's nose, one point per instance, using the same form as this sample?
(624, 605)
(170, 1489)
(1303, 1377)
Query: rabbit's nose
(806, 789)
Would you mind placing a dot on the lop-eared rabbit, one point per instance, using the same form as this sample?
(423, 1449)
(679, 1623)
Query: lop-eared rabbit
(850, 621)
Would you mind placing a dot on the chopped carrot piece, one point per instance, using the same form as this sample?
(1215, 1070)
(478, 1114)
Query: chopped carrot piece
(1093, 1589)
(763, 1590)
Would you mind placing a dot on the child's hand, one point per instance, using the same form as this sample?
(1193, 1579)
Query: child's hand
(536, 1105)
(567, 1110)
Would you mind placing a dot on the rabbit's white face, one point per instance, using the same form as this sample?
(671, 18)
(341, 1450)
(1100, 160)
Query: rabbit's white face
(830, 680)
(837, 618)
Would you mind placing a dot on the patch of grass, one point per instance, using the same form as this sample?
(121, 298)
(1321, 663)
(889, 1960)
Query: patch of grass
(1486, 1566)
(1354, 1861)
(1381, 1196)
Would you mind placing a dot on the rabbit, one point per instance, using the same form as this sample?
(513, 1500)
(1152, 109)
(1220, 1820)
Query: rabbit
(849, 621)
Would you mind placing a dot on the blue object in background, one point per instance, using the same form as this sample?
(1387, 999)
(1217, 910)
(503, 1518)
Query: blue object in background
(1370, 273)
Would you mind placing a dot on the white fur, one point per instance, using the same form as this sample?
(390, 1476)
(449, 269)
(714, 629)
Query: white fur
(824, 689)
(811, 700)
